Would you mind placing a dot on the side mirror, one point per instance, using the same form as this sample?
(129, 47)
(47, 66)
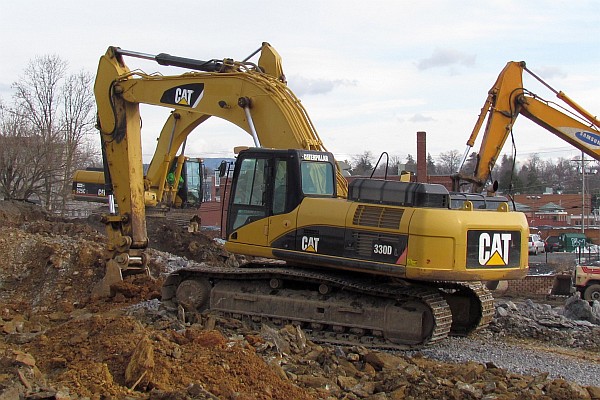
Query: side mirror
(222, 168)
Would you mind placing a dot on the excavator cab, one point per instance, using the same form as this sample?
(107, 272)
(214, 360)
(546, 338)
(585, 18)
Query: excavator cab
(193, 176)
(268, 183)
(188, 188)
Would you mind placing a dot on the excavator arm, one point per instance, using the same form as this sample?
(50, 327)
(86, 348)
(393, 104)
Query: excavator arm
(506, 100)
(253, 97)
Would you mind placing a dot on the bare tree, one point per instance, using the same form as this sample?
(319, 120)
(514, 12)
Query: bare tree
(470, 164)
(59, 110)
(362, 164)
(449, 162)
(564, 176)
(36, 95)
(21, 157)
(77, 122)
(387, 166)
(410, 161)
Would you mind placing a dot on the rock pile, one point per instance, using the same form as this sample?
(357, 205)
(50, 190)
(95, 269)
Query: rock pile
(359, 373)
(582, 310)
(574, 324)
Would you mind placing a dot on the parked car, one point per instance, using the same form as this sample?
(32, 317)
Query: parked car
(536, 244)
(552, 244)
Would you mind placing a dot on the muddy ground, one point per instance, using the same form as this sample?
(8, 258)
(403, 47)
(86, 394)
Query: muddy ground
(59, 343)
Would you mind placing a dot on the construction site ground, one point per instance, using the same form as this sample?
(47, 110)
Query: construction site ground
(58, 342)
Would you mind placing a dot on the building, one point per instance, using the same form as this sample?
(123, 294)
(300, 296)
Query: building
(557, 210)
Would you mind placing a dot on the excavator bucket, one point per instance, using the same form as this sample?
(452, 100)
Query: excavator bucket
(563, 285)
(112, 276)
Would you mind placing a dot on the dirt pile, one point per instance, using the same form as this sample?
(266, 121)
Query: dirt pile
(116, 355)
(14, 213)
(59, 344)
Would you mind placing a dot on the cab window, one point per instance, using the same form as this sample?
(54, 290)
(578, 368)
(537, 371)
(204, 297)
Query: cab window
(280, 187)
(249, 198)
(251, 183)
(317, 178)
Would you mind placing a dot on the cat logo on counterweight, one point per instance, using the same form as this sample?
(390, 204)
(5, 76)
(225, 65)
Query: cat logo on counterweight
(493, 249)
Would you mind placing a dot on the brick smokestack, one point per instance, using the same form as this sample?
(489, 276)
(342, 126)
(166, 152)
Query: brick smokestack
(422, 157)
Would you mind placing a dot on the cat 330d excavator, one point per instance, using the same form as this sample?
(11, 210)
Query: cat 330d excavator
(382, 263)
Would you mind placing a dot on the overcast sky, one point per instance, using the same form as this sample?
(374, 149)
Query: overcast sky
(370, 73)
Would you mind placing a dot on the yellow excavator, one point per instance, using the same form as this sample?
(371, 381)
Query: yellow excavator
(506, 100)
(176, 184)
(381, 263)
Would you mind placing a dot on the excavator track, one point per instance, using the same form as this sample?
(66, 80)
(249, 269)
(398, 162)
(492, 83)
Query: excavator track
(331, 307)
(472, 306)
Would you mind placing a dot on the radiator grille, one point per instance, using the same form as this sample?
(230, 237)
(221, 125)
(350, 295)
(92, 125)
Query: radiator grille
(380, 217)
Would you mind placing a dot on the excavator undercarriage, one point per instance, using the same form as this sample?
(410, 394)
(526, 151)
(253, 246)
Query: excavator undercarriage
(336, 308)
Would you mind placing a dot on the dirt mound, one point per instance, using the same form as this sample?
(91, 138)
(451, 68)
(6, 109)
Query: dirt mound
(14, 213)
(114, 355)
(171, 236)
(195, 246)
(58, 342)
(46, 273)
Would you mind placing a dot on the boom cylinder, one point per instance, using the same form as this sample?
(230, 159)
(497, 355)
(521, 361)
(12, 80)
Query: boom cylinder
(174, 61)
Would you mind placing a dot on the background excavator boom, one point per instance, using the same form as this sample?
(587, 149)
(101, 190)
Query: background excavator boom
(506, 100)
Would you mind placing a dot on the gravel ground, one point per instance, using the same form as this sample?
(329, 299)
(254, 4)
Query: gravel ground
(514, 358)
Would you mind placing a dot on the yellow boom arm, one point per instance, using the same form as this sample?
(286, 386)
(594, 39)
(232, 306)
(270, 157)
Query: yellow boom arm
(506, 100)
(253, 97)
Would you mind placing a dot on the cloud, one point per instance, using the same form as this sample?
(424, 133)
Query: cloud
(302, 86)
(420, 118)
(445, 58)
(550, 72)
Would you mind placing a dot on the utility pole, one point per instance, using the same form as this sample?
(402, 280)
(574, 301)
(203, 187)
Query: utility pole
(582, 193)
(583, 161)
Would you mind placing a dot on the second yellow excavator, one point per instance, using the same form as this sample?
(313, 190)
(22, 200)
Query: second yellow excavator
(381, 263)
(178, 184)
(507, 100)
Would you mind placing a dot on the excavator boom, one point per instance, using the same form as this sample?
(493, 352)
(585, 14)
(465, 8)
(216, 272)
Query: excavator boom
(506, 100)
(253, 97)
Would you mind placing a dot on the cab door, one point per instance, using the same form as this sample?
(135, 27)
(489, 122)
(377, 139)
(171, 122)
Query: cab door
(250, 202)
(284, 200)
